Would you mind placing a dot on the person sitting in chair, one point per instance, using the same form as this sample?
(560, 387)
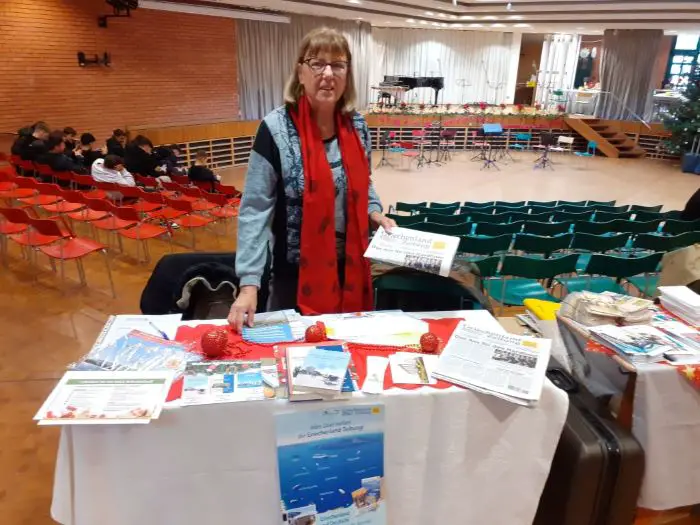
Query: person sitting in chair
(200, 172)
(30, 144)
(111, 169)
(116, 143)
(139, 159)
(87, 150)
(55, 157)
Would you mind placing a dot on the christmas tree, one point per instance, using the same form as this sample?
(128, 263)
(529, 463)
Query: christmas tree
(684, 121)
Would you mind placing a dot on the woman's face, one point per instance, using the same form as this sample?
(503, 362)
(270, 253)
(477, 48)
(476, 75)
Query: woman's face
(324, 77)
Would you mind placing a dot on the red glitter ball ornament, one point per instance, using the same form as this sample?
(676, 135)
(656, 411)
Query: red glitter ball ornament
(429, 343)
(316, 333)
(214, 342)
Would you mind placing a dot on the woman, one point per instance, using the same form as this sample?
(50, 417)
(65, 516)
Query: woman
(308, 187)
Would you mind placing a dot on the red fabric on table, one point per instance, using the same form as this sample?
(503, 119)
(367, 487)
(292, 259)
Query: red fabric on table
(237, 348)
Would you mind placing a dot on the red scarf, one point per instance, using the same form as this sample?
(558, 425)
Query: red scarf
(319, 290)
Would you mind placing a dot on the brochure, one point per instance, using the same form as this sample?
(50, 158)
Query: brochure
(331, 466)
(507, 366)
(378, 328)
(293, 356)
(376, 369)
(117, 326)
(322, 371)
(222, 382)
(409, 368)
(637, 344)
(275, 327)
(427, 252)
(138, 351)
(99, 398)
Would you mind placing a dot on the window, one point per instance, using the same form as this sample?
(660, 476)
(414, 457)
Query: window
(685, 56)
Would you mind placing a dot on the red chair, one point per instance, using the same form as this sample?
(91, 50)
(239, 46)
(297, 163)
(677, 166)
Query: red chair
(222, 209)
(141, 205)
(8, 228)
(199, 203)
(15, 160)
(411, 153)
(7, 179)
(25, 236)
(66, 177)
(86, 181)
(142, 231)
(62, 206)
(110, 223)
(46, 193)
(229, 191)
(183, 180)
(164, 213)
(147, 182)
(44, 171)
(112, 190)
(67, 246)
(84, 214)
(189, 220)
(26, 167)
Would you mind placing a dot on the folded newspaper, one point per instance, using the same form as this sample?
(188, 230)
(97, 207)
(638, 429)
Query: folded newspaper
(503, 365)
(427, 252)
(594, 309)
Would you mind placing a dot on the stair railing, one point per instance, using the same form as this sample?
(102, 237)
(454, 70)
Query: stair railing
(591, 102)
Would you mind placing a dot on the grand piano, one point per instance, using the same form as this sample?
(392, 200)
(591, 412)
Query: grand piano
(437, 83)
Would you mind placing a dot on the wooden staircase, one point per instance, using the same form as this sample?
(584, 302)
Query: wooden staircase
(611, 142)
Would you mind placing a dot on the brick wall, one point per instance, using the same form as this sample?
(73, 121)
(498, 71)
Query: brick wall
(167, 68)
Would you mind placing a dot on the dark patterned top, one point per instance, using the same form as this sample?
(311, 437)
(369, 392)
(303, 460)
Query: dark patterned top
(271, 209)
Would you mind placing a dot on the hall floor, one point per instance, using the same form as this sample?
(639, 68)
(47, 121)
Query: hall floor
(45, 325)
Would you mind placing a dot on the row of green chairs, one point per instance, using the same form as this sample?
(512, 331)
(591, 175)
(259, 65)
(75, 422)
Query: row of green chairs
(599, 214)
(413, 207)
(511, 279)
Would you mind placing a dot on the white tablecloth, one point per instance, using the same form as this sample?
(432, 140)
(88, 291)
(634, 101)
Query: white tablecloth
(450, 456)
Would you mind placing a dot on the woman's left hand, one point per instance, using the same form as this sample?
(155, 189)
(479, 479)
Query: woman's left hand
(381, 220)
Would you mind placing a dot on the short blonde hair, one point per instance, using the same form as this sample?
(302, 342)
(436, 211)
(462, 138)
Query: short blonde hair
(333, 42)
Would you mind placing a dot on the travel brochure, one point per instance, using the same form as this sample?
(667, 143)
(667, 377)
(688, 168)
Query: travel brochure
(331, 466)
(99, 398)
(292, 358)
(409, 368)
(322, 371)
(223, 382)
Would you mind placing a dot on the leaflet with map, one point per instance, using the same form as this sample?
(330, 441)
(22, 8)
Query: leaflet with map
(331, 466)
(222, 382)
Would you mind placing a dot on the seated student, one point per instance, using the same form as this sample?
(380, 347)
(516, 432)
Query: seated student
(167, 160)
(116, 143)
(30, 143)
(111, 169)
(140, 159)
(200, 172)
(87, 150)
(71, 142)
(55, 156)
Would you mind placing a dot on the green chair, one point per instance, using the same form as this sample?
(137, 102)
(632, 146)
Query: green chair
(506, 209)
(539, 217)
(408, 207)
(444, 219)
(672, 214)
(594, 228)
(423, 210)
(600, 203)
(406, 220)
(522, 141)
(456, 230)
(571, 203)
(575, 209)
(655, 243)
(507, 204)
(637, 207)
(517, 216)
(464, 210)
(539, 245)
(565, 216)
(606, 272)
(604, 216)
(418, 291)
(674, 226)
(525, 275)
(468, 204)
(546, 228)
(544, 209)
(480, 218)
(648, 215)
(612, 209)
(542, 204)
(686, 239)
(479, 245)
(634, 226)
(585, 244)
(495, 230)
(444, 205)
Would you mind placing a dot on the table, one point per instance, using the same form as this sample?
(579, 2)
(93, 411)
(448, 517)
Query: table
(665, 419)
(448, 453)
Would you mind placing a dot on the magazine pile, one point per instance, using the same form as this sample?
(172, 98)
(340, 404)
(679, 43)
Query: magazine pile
(426, 252)
(681, 301)
(504, 365)
(661, 340)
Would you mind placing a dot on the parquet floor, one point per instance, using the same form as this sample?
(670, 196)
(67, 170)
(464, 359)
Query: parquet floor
(45, 325)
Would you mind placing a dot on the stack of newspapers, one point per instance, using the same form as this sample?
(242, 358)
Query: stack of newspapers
(637, 344)
(682, 302)
(500, 364)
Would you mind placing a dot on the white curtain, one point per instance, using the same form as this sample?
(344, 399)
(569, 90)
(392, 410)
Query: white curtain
(266, 55)
(557, 66)
(475, 64)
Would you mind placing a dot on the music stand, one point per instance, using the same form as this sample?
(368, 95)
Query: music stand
(546, 140)
(491, 131)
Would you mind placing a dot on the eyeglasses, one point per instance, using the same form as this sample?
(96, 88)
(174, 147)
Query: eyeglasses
(339, 67)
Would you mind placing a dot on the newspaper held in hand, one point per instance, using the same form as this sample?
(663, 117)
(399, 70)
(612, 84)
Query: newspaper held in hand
(427, 252)
(503, 365)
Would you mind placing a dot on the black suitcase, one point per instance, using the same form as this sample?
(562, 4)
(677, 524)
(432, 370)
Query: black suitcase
(597, 469)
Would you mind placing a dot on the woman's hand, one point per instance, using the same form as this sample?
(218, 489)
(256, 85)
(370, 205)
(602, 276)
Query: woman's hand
(381, 220)
(244, 308)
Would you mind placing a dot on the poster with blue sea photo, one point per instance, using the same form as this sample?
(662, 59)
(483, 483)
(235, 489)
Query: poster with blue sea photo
(331, 466)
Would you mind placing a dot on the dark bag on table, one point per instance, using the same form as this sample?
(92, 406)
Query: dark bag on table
(596, 473)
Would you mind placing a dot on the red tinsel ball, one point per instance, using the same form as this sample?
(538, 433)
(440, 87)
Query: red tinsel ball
(316, 333)
(214, 342)
(429, 343)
